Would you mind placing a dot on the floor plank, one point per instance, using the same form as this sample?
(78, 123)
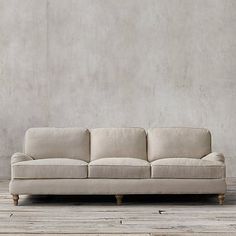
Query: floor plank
(141, 215)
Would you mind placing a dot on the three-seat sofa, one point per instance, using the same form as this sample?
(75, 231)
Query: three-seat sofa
(117, 161)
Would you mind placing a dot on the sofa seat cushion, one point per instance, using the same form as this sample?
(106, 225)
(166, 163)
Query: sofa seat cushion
(52, 168)
(187, 168)
(119, 168)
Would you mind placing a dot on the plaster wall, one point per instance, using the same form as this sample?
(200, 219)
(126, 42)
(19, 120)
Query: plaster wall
(117, 63)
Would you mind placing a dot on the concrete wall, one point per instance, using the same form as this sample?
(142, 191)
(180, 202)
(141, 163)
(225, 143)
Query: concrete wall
(102, 63)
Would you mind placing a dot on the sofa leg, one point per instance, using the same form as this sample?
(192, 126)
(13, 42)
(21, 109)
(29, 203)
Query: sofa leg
(119, 199)
(15, 199)
(221, 198)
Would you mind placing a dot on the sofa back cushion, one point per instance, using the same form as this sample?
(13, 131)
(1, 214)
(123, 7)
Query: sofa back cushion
(178, 142)
(118, 142)
(57, 143)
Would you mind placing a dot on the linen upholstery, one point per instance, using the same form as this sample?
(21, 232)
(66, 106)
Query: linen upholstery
(119, 168)
(118, 142)
(55, 161)
(18, 156)
(57, 143)
(187, 168)
(53, 168)
(214, 156)
(178, 143)
(117, 186)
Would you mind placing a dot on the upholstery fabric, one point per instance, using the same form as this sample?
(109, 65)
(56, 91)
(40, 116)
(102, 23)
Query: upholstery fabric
(18, 156)
(178, 143)
(187, 168)
(53, 168)
(214, 156)
(119, 168)
(55, 161)
(57, 143)
(118, 142)
(117, 186)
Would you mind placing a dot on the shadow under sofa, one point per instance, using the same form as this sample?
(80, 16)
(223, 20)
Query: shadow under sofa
(117, 161)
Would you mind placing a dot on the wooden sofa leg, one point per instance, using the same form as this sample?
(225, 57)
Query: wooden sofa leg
(221, 198)
(15, 199)
(119, 199)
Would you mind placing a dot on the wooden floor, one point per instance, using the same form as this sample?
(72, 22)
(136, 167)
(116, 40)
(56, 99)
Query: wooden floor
(99, 215)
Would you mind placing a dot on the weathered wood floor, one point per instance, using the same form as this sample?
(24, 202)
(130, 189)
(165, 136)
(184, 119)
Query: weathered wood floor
(98, 215)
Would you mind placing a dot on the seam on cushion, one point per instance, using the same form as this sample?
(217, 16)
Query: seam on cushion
(114, 178)
(71, 158)
(159, 158)
(189, 166)
(25, 178)
(183, 178)
(118, 165)
(51, 165)
(94, 158)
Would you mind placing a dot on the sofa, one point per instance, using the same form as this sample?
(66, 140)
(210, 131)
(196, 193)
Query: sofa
(117, 161)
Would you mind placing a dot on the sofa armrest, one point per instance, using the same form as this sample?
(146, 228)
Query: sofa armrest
(17, 157)
(214, 156)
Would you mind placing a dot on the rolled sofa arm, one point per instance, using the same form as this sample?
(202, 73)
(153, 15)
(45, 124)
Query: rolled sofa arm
(215, 156)
(17, 157)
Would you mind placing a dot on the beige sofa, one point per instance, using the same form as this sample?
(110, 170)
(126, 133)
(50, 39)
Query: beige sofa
(117, 161)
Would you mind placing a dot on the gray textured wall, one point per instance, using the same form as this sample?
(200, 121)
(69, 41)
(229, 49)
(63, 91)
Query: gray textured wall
(104, 63)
